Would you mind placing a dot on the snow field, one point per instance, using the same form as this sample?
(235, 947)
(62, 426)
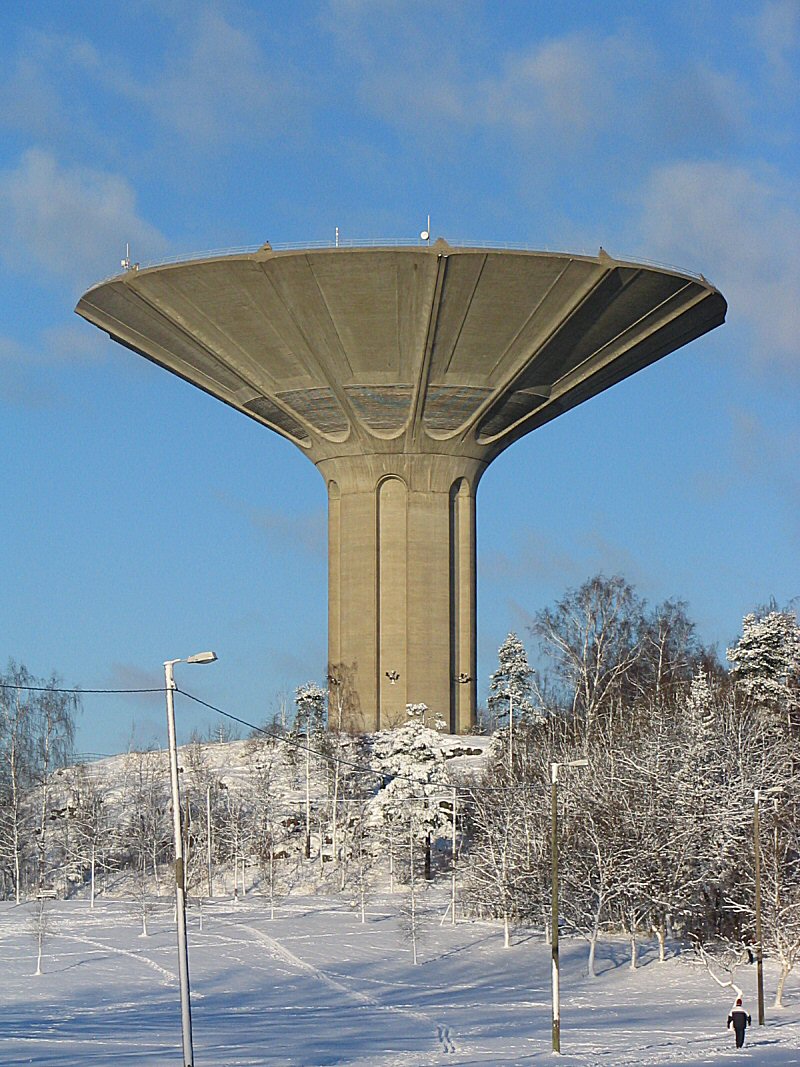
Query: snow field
(315, 987)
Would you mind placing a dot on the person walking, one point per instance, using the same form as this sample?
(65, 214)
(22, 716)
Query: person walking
(740, 1020)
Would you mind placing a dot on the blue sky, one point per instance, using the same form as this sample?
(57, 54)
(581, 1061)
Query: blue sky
(144, 520)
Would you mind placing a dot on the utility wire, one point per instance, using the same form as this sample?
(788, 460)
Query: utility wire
(285, 739)
(78, 692)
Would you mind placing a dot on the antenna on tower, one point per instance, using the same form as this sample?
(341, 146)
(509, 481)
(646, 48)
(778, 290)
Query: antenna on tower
(126, 262)
(426, 233)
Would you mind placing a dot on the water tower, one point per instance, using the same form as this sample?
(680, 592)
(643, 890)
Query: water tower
(402, 372)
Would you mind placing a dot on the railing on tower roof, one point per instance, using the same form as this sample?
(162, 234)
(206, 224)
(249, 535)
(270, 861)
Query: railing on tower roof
(397, 242)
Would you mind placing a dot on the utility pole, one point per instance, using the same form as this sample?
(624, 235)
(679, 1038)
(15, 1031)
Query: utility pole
(453, 865)
(180, 871)
(757, 794)
(556, 1013)
(208, 842)
(757, 872)
(510, 735)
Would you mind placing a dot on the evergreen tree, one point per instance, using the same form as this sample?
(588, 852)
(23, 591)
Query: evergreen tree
(411, 761)
(310, 703)
(511, 685)
(766, 661)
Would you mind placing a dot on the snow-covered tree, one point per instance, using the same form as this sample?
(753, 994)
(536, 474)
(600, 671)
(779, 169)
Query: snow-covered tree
(511, 692)
(37, 724)
(423, 714)
(411, 762)
(595, 638)
(82, 834)
(310, 702)
(511, 685)
(780, 856)
(766, 661)
(41, 927)
(671, 650)
(145, 824)
(506, 866)
(16, 775)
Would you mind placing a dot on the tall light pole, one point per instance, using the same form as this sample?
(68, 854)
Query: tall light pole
(757, 794)
(453, 845)
(510, 735)
(180, 874)
(556, 1014)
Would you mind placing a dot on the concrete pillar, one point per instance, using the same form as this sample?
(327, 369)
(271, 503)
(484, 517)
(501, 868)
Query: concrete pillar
(402, 585)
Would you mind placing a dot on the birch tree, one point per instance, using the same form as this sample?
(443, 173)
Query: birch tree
(594, 637)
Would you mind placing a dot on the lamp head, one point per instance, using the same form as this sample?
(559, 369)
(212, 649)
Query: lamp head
(202, 657)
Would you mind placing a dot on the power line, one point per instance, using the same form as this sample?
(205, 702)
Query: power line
(292, 742)
(76, 692)
(283, 739)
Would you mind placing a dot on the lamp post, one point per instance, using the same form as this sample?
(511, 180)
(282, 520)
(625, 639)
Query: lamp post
(510, 735)
(453, 845)
(757, 794)
(180, 874)
(556, 1014)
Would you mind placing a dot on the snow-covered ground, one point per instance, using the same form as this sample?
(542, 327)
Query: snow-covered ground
(314, 986)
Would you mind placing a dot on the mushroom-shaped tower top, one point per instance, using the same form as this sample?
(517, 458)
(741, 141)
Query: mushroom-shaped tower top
(401, 373)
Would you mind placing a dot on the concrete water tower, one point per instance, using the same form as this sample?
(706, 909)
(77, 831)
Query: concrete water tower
(402, 372)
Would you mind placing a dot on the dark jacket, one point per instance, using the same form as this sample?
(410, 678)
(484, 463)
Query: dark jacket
(739, 1018)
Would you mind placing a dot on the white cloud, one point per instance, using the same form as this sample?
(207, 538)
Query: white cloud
(71, 222)
(72, 343)
(62, 344)
(565, 85)
(568, 82)
(220, 87)
(610, 98)
(26, 370)
(307, 533)
(740, 227)
(131, 676)
(212, 85)
(27, 101)
(776, 32)
(20, 384)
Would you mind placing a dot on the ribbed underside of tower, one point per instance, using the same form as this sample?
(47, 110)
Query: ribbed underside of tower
(401, 373)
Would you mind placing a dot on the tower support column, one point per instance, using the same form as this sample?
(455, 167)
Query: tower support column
(402, 588)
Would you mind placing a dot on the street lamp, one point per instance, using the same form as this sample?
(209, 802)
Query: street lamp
(757, 794)
(510, 735)
(180, 874)
(556, 1015)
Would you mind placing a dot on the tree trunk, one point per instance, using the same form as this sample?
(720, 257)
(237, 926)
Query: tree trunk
(785, 969)
(661, 934)
(413, 890)
(590, 968)
(334, 811)
(308, 796)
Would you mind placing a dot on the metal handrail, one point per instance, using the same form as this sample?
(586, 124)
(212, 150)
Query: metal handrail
(394, 242)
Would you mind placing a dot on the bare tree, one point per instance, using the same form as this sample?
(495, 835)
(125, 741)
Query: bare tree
(594, 638)
(41, 927)
(37, 724)
(18, 762)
